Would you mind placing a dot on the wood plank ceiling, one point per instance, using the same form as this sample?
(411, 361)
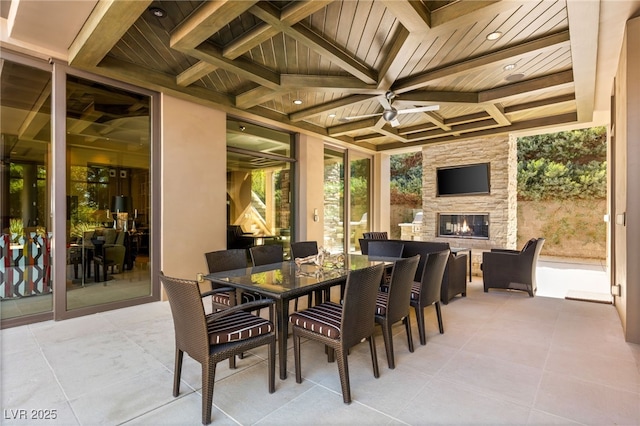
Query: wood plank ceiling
(340, 58)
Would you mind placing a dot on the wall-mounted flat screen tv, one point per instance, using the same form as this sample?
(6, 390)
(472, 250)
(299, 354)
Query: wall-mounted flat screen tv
(463, 180)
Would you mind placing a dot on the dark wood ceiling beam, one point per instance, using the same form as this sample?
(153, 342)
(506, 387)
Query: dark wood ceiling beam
(402, 49)
(329, 106)
(501, 93)
(540, 103)
(302, 34)
(161, 82)
(343, 129)
(467, 118)
(413, 15)
(206, 20)
(194, 73)
(469, 11)
(497, 113)
(256, 96)
(330, 82)
(511, 53)
(108, 22)
(295, 12)
(241, 67)
(537, 123)
(428, 97)
(391, 132)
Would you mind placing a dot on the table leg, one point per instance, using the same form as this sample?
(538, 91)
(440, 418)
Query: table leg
(282, 312)
(470, 277)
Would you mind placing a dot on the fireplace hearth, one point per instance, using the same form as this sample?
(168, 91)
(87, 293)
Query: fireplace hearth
(465, 225)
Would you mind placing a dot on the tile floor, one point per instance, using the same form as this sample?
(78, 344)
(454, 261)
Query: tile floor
(504, 358)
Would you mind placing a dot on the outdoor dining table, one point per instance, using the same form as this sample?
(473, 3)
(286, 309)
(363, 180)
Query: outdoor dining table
(286, 281)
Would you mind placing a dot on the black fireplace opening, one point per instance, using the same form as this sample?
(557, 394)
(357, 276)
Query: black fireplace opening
(468, 225)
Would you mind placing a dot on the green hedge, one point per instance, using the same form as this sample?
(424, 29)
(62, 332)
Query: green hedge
(563, 165)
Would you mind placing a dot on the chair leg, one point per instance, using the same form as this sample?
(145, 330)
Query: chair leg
(343, 370)
(272, 366)
(420, 320)
(388, 343)
(439, 314)
(296, 357)
(407, 327)
(374, 356)
(208, 379)
(177, 372)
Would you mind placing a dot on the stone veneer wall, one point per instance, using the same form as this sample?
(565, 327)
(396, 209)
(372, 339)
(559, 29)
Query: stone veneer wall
(500, 204)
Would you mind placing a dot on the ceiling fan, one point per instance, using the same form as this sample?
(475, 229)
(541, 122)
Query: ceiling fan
(390, 113)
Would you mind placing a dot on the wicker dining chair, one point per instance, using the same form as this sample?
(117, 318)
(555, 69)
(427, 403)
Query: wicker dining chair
(301, 249)
(393, 305)
(212, 338)
(341, 327)
(379, 235)
(226, 260)
(267, 254)
(427, 291)
(384, 248)
(304, 249)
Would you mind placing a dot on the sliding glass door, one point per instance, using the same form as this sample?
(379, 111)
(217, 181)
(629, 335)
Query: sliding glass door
(348, 199)
(108, 153)
(25, 197)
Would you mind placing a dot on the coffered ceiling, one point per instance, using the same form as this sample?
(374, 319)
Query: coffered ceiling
(340, 59)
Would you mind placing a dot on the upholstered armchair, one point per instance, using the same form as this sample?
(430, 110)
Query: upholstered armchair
(512, 269)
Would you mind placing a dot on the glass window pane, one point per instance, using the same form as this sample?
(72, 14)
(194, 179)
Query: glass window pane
(359, 200)
(259, 186)
(25, 141)
(334, 227)
(109, 159)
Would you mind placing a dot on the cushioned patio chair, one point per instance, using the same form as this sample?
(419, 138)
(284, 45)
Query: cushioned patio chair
(212, 338)
(512, 269)
(392, 305)
(341, 327)
(426, 292)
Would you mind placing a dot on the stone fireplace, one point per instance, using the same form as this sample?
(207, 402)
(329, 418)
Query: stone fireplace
(493, 216)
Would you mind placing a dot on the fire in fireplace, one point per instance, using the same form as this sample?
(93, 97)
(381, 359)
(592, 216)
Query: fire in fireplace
(470, 225)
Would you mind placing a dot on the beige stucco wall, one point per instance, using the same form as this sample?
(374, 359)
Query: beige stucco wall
(193, 186)
(310, 187)
(626, 183)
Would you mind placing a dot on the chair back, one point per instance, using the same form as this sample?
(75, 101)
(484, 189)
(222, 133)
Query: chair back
(267, 254)
(376, 235)
(226, 260)
(189, 321)
(531, 252)
(432, 275)
(359, 304)
(400, 288)
(385, 248)
(304, 249)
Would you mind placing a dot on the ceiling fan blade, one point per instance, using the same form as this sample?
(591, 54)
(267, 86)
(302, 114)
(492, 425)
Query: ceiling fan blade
(419, 109)
(394, 122)
(358, 117)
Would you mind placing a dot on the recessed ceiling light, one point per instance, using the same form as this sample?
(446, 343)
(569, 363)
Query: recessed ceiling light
(298, 101)
(157, 12)
(509, 67)
(332, 115)
(514, 77)
(494, 35)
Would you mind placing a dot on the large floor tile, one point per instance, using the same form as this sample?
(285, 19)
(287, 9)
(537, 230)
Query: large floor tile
(586, 402)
